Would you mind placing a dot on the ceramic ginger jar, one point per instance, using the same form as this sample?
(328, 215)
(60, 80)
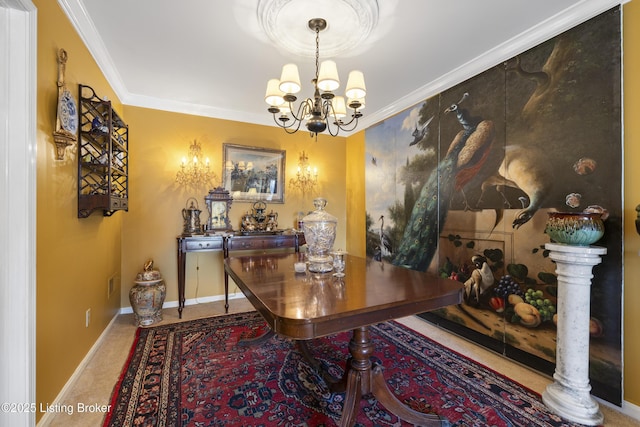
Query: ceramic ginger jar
(147, 296)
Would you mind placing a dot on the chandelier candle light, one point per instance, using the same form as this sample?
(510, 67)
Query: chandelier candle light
(194, 172)
(324, 111)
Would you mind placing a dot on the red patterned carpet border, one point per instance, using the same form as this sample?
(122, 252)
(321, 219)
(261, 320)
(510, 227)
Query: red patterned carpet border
(193, 374)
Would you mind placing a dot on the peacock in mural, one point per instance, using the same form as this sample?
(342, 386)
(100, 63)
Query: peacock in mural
(465, 156)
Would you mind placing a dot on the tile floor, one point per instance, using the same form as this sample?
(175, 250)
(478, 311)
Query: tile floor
(96, 383)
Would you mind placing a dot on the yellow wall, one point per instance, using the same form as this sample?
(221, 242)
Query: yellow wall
(631, 19)
(356, 214)
(75, 257)
(159, 140)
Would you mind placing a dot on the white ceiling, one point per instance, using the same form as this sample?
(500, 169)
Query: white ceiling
(212, 58)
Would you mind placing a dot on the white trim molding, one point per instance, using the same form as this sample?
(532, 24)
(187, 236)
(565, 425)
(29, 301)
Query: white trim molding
(565, 20)
(18, 53)
(190, 301)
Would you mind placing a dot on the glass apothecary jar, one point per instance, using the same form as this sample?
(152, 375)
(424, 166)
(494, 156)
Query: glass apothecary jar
(319, 232)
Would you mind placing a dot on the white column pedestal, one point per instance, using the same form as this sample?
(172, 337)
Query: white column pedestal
(569, 395)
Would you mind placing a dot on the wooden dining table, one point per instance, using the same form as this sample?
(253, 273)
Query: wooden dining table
(305, 306)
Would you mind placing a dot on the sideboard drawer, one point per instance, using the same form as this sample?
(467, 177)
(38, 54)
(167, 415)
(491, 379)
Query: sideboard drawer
(202, 244)
(239, 243)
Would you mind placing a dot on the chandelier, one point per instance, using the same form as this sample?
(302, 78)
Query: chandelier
(325, 110)
(305, 179)
(193, 171)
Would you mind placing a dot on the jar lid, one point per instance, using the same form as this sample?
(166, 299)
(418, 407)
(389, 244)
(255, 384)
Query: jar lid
(320, 214)
(148, 274)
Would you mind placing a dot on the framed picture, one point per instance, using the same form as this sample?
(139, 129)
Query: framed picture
(218, 204)
(252, 173)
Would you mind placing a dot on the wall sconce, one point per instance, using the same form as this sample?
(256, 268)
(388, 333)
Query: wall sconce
(194, 171)
(306, 178)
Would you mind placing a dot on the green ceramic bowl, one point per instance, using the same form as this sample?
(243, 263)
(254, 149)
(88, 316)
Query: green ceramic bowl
(574, 228)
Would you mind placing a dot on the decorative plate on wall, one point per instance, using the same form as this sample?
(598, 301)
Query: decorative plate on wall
(66, 128)
(68, 112)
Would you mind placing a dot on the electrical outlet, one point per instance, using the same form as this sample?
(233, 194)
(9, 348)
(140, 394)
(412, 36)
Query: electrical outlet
(110, 286)
(87, 318)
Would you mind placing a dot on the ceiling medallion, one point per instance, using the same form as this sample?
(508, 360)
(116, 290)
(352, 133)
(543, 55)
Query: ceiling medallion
(284, 22)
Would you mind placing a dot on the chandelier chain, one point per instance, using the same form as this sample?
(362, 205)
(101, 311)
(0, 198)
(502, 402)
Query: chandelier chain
(324, 110)
(317, 54)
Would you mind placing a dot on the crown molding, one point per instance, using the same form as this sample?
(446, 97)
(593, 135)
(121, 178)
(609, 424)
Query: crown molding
(197, 109)
(559, 23)
(77, 14)
(567, 19)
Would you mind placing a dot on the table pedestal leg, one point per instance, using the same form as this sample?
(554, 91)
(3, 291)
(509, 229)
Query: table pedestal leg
(569, 395)
(363, 379)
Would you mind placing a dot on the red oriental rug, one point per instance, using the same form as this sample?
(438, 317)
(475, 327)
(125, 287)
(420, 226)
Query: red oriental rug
(194, 374)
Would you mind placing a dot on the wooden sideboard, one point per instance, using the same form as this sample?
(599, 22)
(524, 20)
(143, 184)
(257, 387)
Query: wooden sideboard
(226, 243)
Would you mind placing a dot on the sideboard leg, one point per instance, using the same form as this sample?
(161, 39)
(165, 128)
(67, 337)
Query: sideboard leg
(182, 259)
(226, 292)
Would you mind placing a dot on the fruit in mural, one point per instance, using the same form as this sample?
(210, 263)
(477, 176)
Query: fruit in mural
(514, 299)
(527, 314)
(538, 297)
(544, 305)
(596, 329)
(507, 286)
(497, 304)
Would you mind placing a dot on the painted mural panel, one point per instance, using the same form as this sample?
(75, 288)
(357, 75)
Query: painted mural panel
(461, 183)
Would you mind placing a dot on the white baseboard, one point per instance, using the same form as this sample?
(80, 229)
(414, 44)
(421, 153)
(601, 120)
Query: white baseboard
(628, 409)
(192, 301)
(46, 418)
(631, 410)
